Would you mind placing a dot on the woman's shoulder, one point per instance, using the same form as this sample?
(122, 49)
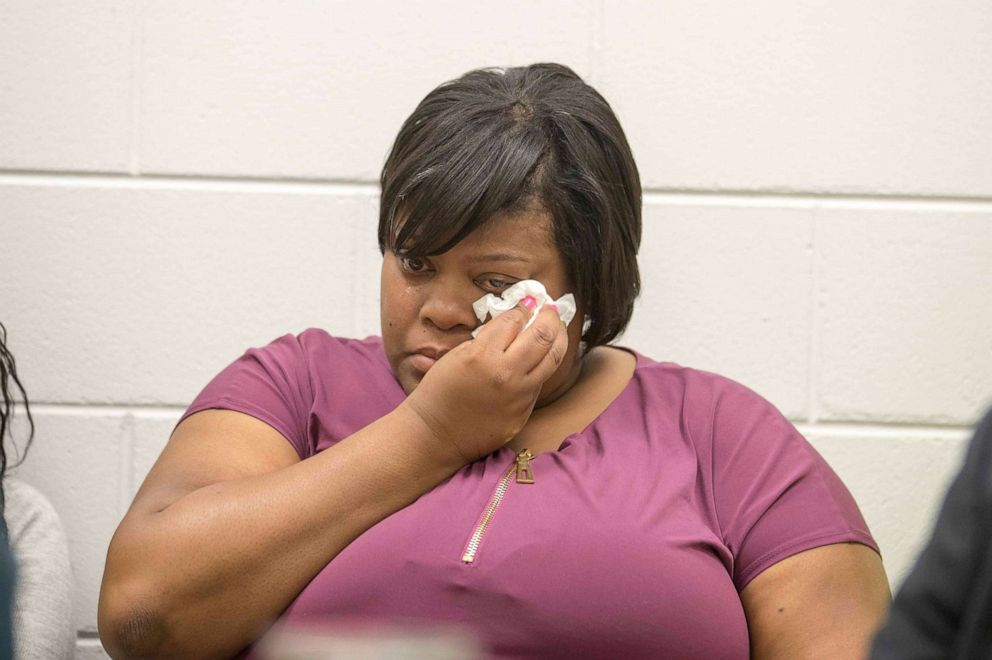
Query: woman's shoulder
(314, 360)
(712, 408)
(316, 348)
(698, 385)
(319, 339)
(295, 377)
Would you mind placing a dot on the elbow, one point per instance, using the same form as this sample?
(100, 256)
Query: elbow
(130, 631)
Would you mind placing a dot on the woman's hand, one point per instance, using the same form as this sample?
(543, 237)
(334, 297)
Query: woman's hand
(478, 396)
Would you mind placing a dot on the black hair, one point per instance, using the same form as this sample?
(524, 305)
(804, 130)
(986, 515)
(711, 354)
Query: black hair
(502, 141)
(10, 385)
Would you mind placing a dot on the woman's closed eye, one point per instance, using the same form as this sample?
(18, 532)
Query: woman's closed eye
(495, 283)
(489, 282)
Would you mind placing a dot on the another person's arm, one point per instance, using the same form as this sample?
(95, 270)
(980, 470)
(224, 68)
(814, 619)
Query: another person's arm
(43, 623)
(230, 525)
(944, 607)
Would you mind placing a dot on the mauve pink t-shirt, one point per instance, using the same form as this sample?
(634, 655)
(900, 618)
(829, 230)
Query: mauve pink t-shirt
(633, 541)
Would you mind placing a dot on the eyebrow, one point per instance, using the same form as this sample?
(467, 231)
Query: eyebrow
(500, 256)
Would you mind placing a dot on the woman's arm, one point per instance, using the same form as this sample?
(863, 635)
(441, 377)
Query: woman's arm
(230, 525)
(822, 603)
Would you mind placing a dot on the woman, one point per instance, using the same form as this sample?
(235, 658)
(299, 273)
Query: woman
(41, 609)
(672, 513)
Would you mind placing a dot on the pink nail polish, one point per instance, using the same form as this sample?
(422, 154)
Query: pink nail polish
(529, 302)
(554, 307)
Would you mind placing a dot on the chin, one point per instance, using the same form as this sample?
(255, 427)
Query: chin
(408, 380)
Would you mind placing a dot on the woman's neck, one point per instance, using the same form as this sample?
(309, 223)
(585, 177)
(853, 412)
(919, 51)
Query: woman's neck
(602, 375)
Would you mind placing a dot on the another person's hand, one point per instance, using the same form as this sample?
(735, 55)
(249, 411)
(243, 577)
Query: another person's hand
(479, 395)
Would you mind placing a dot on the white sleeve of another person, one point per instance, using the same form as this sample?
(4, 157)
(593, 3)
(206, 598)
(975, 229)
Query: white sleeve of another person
(42, 613)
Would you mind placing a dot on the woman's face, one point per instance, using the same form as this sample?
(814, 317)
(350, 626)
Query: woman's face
(427, 303)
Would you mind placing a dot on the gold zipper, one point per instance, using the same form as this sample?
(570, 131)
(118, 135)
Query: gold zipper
(520, 465)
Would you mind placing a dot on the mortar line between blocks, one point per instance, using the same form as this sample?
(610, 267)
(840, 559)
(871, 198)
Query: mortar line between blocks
(598, 24)
(813, 352)
(136, 81)
(70, 408)
(885, 429)
(126, 466)
(303, 185)
(837, 199)
(187, 183)
(596, 39)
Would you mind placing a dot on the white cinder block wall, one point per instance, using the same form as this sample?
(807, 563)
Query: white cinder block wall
(182, 180)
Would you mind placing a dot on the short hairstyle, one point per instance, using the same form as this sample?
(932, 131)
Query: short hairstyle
(498, 141)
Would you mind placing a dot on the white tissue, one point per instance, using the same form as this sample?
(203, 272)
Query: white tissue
(493, 305)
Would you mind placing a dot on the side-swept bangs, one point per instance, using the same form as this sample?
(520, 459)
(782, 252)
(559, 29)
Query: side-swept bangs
(455, 165)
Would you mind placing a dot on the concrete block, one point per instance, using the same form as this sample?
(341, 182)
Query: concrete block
(65, 85)
(904, 314)
(882, 97)
(368, 269)
(76, 462)
(319, 90)
(142, 295)
(727, 289)
(899, 477)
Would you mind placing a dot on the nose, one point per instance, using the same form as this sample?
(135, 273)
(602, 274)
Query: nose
(448, 306)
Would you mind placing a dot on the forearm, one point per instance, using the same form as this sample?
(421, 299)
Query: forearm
(209, 572)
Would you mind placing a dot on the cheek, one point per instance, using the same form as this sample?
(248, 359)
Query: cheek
(399, 308)
(400, 305)
(391, 293)
(572, 353)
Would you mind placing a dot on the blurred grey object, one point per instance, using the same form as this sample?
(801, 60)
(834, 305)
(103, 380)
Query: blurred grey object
(358, 641)
(944, 608)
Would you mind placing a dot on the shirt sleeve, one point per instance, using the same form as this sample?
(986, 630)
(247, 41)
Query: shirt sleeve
(774, 494)
(42, 613)
(272, 384)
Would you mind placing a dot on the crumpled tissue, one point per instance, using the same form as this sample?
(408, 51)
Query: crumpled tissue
(491, 304)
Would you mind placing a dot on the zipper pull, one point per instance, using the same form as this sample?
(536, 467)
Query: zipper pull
(524, 474)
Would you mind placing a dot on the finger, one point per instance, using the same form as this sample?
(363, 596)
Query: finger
(533, 344)
(504, 329)
(553, 358)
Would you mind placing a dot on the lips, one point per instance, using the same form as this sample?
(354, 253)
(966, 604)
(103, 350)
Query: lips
(424, 358)
(432, 352)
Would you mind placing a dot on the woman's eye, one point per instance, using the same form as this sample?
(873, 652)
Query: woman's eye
(413, 264)
(496, 284)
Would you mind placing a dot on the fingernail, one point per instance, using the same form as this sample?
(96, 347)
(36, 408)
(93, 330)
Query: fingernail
(554, 307)
(529, 302)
